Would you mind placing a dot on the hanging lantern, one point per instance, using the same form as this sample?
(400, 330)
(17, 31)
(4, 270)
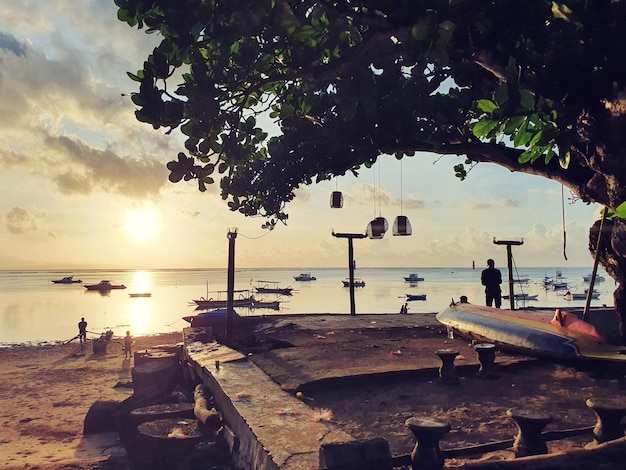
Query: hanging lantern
(376, 228)
(402, 226)
(336, 200)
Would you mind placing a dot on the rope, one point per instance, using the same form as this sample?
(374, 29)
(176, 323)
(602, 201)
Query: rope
(563, 223)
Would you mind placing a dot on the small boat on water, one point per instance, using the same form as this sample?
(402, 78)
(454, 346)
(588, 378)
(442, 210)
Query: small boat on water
(599, 278)
(244, 300)
(271, 287)
(269, 304)
(67, 280)
(104, 285)
(356, 283)
(413, 278)
(140, 294)
(521, 297)
(580, 295)
(415, 297)
(304, 277)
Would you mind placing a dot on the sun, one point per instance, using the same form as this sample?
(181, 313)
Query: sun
(142, 224)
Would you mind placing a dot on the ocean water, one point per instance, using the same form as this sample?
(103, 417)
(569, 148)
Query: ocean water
(34, 310)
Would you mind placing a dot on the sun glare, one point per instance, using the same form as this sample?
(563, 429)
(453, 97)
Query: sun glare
(142, 224)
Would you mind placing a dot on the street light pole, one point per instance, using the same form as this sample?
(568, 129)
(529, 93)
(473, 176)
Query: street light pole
(232, 236)
(350, 237)
(509, 259)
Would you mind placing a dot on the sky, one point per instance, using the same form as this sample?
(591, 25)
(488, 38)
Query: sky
(84, 184)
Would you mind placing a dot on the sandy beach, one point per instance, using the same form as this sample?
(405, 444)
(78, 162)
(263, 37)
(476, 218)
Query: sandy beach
(46, 393)
(48, 390)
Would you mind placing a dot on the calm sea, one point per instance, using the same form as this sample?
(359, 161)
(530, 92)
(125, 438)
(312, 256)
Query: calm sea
(34, 310)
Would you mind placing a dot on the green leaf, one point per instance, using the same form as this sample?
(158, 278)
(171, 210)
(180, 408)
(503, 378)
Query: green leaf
(620, 211)
(484, 127)
(487, 106)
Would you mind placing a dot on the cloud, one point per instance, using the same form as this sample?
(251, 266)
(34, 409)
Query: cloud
(19, 221)
(9, 43)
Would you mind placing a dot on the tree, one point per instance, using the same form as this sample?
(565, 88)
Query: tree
(535, 86)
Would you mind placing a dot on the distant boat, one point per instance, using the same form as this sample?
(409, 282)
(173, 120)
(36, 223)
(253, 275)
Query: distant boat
(269, 304)
(413, 278)
(579, 295)
(522, 280)
(304, 277)
(143, 294)
(244, 300)
(104, 286)
(521, 297)
(599, 278)
(271, 287)
(67, 280)
(416, 297)
(356, 283)
(558, 285)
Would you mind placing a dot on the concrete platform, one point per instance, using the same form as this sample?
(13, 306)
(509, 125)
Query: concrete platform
(256, 386)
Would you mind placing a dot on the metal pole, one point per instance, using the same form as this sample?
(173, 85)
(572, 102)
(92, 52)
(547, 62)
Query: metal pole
(509, 261)
(350, 237)
(232, 235)
(351, 276)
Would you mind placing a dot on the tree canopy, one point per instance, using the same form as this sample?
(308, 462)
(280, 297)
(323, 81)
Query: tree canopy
(535, 86)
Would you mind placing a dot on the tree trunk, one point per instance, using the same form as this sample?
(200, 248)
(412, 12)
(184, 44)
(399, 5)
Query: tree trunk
(612, 257)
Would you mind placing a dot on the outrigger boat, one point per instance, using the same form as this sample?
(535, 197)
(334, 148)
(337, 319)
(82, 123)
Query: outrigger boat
(521, 297)
(269, 304)
(210, 302)
(580, 295)
(562, 336)
(67, 280)
(268, 288)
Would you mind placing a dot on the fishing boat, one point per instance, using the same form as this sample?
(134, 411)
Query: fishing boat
(211, 318)
(521, 296)
(104, 286)
(599, 278)
(67, 280)
(580, 295)
(271, 287)
(356, 283)
(416, 297)
(269, 304)
(243, 300)
(413, 278)
(140, 294)
(304, 277)
(559, 335)
(559, 285)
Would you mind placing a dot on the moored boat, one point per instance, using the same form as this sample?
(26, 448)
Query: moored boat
(140, 294)
(599, 278)
(416, 297)
(104, 285)
(580, 295)
(521, 296)
(304, 277)
(244, 300)
(413, 278)
(269, 304)
(271, 287)
(356, 283)
(67, 280)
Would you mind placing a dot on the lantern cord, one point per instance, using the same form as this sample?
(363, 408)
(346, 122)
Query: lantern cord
(401, 187)
(563, 223)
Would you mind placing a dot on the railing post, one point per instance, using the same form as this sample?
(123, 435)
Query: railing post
(428, 432)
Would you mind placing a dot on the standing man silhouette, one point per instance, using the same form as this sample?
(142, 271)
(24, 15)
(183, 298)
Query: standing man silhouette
(491, 278)
(82, 330)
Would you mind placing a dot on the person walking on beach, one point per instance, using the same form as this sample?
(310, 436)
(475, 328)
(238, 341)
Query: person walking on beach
(82, 330)
(491, 278)
(128, 345)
